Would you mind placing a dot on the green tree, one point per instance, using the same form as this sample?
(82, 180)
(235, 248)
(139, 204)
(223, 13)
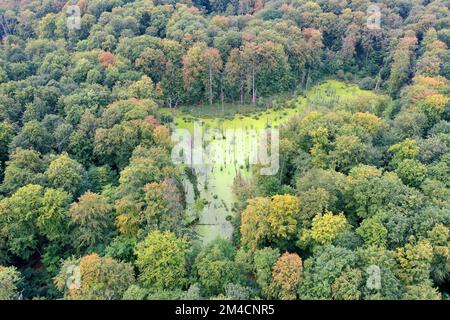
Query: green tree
(142, 89)
(322, 269)
(412, 172)
(92, 220)
(201, 71)
(215, 267)
(94, 278)
(152, 62)
(368, 197)
(10, 278)
(18, 215)
(284, 215)
(433, 106)
(33, 135)
(403, 58)
(415, 261)
(407, 149)
(348, 151)
(287, 276)
(325, 228)
(373, 257)
(134, 292)
(264, 260)
(115, 145)
(53, 219)
(164, 206)
(313, 201)
(422, 291)
(161, 260)
(438, 237)
(6, 136)
(373, 231)
(136, 175)
(24, 167)
(347, 285)
(66, 174)
(236, 292)
(255, 228)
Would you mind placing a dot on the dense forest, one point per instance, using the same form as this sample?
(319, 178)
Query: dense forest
(92, 207)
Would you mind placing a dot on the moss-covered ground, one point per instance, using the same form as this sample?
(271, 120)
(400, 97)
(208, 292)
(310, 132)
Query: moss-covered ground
(215, 182)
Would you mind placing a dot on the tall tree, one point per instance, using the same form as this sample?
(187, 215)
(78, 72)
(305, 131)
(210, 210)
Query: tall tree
(161, 259)
(94, 278)
(403, 59)
(201, 70)
(287, 276)
(10, 278)
(93, 222)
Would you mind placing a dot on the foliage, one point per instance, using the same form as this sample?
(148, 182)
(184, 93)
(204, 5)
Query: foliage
(346, 286)
(100, 278)
(67, 174)
(264, 260)
(323, 269)
(9, 280)
(161, 259)
(287, 276)
(86, 172)
(216, 268)
(92, 219)
(325, 228)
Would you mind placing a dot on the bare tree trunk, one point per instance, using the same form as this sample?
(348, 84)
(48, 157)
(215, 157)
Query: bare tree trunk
(253, 85)
(303, 80)
(241, 87)
(210, 83)
(307, 80)
(377, 85)
(221, 92)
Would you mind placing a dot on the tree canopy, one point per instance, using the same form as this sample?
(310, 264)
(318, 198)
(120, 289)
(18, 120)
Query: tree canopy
(93, 207)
